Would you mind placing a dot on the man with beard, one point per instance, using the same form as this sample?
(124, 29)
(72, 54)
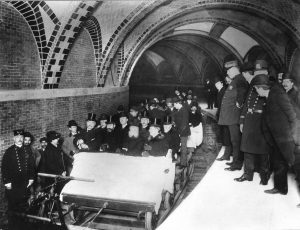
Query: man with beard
(133, 143)
(17, 175)
(68, 147)
(278, 124)
(28, 141)
(110, 142)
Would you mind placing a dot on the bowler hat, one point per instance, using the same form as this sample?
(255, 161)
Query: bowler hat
(287, 76)
(52, 135)
(120, 108)
(43, 139)
(19, 132)
(72, 123)
(260, 79)
(91, 117)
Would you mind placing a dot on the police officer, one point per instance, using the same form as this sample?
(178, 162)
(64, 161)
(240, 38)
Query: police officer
(18, 175)
(232, 104)
(254, 144)
(278, 123)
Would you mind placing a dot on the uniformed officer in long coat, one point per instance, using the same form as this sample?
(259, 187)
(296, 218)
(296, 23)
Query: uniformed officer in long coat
(232, 103)
(254, 144)
(18, 175)
(278, 125)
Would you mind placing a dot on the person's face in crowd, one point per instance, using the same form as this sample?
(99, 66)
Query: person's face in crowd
(287, 84)
(228, 80)
(177, 92)
(110, 127)
(170, 105)
(43, 144)
(55, 142)
(261, 91)
(248, 76)
(90, 125)
(133, 131)
(280, 78)
(184, 94)
(27, 141)
(219, 85)
(177, 105)
(18, 140)
(232, 72)
(133, 112)
(193, 109)
(154, 131)
(167, 127)
(103, 123)
(73, 129)
(123, 120)
(144, 121)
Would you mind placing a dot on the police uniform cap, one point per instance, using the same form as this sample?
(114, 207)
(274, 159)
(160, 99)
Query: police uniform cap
(230, 61)
(19, 132)
(261, 79)
(287, 76)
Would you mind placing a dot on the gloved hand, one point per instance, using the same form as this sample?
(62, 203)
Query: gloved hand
(30, 182)
(8, 186)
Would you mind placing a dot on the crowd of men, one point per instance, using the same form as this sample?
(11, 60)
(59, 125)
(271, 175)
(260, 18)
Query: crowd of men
(170, 127)
(259, 117)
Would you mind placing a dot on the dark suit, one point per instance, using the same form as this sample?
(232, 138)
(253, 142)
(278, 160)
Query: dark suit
(230, 114)
(92, 139)
(279, 118)
(17, 168)
(157, 146)
(110, 142)
(121, 134)
(134, 146)
(181, 119)
(254, 144)
(173, 140)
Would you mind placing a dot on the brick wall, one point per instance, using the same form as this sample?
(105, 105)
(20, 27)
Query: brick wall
(40, 116)
(80, 67)
(19, 60)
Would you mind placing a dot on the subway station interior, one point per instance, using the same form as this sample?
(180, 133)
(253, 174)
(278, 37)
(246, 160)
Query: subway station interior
(70, 60)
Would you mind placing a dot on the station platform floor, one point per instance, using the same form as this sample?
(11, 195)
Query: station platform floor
(219, 202)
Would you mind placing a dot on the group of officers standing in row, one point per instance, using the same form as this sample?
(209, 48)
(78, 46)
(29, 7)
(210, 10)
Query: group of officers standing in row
(261, 116)
(154, 128)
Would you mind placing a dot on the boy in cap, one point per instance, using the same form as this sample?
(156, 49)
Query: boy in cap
(17, 168)
(278, 122)
(68, 147)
